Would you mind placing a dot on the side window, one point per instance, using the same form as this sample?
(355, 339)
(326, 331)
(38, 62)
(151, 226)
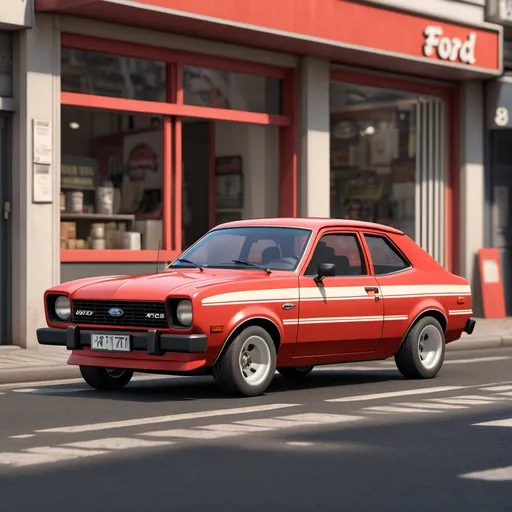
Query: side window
(341, 249)
(386, 259)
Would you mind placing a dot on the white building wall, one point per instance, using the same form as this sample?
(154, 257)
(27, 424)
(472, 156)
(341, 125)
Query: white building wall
(472, 182)
(314, 141)
(16, 14)
(35, 226)
(462, 11)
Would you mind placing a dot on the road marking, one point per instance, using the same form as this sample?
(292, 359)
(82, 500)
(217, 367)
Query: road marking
(299, 443)
(63, 451)
(496, 423)
(403, 410)
(117, 443)
(270, 422)
(491, 475)
(477, 360)
(356, 369)
(423, 405)
(166, 419)
(22, 436)
(497, 388)
(462, 401)
(232, 427)
(392, 394)
(191, 434)
(318, 418)
(21, 459)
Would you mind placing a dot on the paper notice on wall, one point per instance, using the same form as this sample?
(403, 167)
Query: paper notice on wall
(490, 271)
(42, 184)
(42, 141)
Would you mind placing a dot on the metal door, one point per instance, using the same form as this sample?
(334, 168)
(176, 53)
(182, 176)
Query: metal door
(5, 230)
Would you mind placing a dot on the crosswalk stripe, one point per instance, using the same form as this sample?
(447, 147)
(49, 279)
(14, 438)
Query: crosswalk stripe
(423, 405)
(495, 423)
(64, 451)
(389, 408)
(270, 422)
(497, 388)
(493, 398)
(463, 401)
(318, 418)
(192, 433)
(117, 443)
(22, 459)
(394, 394)
(491, 475)
(166, 419)
(232, 427)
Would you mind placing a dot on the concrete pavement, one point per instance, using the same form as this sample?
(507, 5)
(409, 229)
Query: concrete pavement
(354, 437)
(48, 363)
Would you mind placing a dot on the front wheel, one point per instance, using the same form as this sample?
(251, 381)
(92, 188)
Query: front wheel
(422, 352)
(106, 379)
(248, 364)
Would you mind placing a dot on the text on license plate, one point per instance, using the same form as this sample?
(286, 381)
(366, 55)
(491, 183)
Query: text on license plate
(110, 342)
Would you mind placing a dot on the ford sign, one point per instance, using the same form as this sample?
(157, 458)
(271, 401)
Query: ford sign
(115, 312)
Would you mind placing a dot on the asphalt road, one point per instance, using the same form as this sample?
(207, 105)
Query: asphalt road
(357, 437)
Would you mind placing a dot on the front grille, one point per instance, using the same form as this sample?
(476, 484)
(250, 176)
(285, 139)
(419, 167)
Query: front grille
(135, 314)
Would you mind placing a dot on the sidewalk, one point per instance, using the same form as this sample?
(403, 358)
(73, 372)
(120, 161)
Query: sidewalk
(49, 363)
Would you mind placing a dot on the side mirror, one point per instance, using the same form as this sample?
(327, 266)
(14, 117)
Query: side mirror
(325, 270)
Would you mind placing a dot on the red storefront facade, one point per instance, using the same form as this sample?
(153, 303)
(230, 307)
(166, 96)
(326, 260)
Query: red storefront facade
(340, 102)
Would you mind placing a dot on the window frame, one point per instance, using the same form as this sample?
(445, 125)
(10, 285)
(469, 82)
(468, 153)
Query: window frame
(394, 247)
(172, 111)
(339, 231)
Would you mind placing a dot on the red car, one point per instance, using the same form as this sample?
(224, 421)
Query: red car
(254, 296)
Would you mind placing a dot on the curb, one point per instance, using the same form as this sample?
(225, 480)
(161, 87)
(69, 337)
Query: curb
(479, 343)
(38, 373)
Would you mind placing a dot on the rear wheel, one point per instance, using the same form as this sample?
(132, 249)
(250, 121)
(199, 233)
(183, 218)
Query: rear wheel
(248, 364)
(106, 379)
(421, 355)
(295, 372)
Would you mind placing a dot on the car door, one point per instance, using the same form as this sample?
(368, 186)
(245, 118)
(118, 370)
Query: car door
(396, 280)
(341, 314)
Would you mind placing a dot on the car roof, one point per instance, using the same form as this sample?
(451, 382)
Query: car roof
(314, 223)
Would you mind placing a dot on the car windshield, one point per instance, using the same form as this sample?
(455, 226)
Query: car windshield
(251, 247)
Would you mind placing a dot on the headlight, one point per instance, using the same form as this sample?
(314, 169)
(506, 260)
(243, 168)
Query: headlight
(63, 308)
(184, 313)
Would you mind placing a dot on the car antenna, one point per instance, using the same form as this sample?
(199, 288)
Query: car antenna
(158, 257)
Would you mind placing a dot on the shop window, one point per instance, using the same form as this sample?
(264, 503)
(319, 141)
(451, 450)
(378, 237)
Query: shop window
(230, 172)
(103, 74)
(373, 155)
(111, 180)
(215, 88)
(385, 258)
(5, 64)
(343, 250)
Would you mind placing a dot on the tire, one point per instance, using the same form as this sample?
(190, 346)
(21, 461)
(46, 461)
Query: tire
(106, 379)
(234, 371)
(421, 355)
(295, 372)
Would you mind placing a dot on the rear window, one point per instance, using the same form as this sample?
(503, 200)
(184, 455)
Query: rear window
(385, 257)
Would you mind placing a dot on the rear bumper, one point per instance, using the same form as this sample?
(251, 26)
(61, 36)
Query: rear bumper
(470, 326)
(153, 342)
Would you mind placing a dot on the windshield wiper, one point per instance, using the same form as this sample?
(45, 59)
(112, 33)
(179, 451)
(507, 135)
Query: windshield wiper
(183, 260)
(244, 262)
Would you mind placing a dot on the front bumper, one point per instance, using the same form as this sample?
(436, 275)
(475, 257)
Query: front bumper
(152, 342)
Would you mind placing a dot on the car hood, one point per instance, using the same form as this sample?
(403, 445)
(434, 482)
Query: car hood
(154, 286)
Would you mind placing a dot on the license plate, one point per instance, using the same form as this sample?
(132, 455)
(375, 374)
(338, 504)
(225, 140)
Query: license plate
(111, 342)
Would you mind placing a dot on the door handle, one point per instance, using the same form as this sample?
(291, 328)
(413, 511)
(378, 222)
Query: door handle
(372, 291)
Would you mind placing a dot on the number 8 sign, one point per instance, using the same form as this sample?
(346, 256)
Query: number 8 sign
(501, 117)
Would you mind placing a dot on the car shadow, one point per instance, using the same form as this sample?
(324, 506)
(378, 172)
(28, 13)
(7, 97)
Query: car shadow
(183, 389)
